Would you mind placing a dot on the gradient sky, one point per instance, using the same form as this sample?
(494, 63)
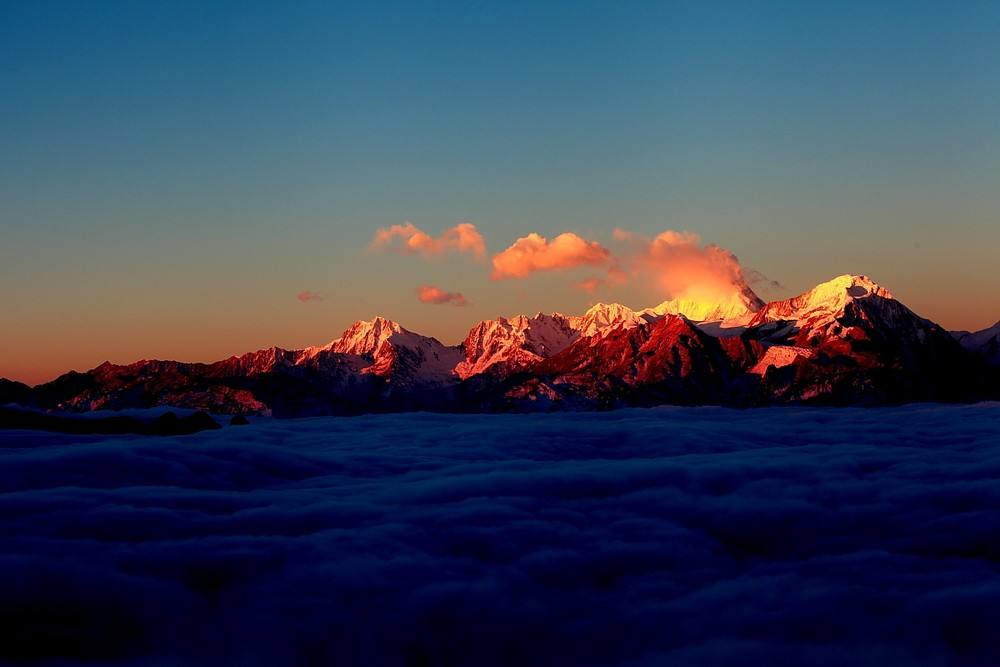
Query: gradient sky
(173, 174)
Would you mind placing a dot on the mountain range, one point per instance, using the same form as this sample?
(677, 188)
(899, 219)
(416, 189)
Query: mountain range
(847, 341)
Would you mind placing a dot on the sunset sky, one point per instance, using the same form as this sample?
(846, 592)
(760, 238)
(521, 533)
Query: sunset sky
(187, 181)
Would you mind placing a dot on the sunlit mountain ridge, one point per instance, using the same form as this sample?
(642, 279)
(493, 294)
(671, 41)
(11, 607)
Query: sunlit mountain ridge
(846, 341)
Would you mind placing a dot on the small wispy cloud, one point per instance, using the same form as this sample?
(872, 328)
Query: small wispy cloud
(438, 296)
(614, 277)
(755, 277)
(305, 296)
(407, 238)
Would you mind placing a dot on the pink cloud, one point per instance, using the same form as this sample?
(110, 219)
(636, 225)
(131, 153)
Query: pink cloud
(408, 238)
(682, 266)
(534, 252)
(436, 295)
(306, 296)
(614, 277)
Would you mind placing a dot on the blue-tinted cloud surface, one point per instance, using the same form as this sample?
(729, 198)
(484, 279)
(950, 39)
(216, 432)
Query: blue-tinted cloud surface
(642, 537)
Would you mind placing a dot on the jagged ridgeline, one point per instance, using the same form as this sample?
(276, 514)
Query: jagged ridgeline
(845, 342)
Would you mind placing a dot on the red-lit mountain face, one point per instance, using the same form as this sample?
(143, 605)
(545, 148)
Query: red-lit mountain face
(373, 365)
(847, 341)
(668, 360)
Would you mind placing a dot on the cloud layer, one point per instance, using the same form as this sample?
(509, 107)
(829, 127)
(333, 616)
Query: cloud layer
(534, 252)
(438, 296)
(638, 537)
(407, 238)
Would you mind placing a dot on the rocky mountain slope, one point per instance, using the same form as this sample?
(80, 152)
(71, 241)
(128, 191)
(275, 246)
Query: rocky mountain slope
(846, 341)
(985, 344)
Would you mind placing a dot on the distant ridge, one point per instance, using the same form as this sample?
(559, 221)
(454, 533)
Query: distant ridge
(847, 341)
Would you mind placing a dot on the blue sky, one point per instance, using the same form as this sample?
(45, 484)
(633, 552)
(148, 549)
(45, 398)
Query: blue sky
(172, 174)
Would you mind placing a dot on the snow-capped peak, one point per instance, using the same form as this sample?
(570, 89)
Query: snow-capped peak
(825, 300)
(602, 316)
(610, 313)
(361, 338)
(838, 291)
(366, 337)
(393, 352)
(740, 303)
(509, 344)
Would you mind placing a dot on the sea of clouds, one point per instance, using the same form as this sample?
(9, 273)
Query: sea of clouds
(671, 536)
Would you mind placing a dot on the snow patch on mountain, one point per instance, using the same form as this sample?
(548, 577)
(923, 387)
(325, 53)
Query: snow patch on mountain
(395, 352)
(602, 316)
(780, 356)
(363, 337)
(824, 302)
(506, 345)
